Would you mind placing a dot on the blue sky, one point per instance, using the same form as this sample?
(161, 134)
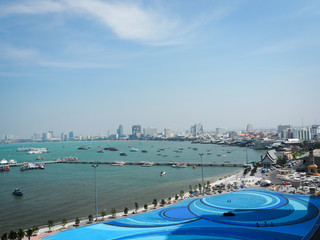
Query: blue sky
(90, 65)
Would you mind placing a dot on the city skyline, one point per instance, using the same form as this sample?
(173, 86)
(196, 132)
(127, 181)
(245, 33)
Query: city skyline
(88, 66)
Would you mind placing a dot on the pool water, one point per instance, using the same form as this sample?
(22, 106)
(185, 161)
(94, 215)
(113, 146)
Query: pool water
(259, 214)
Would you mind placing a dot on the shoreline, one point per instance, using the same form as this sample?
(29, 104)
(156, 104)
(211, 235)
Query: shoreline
(230, 179)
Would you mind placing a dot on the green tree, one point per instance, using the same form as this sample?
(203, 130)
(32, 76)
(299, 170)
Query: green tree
(35, 229)
(176, 197)
(169, 200)
(282, 160)
(125, 211)
(20, 234)
(103, 214)
(50, 225)
(90, 218)
(155, 203)
(113, 212)
(136, 206)
(12, 235)
(77, 221)
(4, 236)
(208, 184)
(182, 193)
(145, 206)
(163, 202)
(64, 222)
(29, 233)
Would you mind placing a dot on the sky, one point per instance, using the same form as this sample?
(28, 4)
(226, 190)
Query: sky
(89, 65)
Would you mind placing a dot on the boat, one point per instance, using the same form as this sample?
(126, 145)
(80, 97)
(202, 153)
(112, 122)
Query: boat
(31, 166)
(70, 159)
(144, 151)
(39, 158)
(4, 162)
(38, 150)
(17, 192)
(218, 154)
(100, 151)
(117, 164)
(12, 162)
(162, 173)
(4, 168)
(123, 154)
(134, 150)
(82, 148)
(111, 149)
(179, 165)
(147, 164)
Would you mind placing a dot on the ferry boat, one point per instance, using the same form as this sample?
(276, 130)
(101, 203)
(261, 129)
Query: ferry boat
(4, 168)
(17, 192)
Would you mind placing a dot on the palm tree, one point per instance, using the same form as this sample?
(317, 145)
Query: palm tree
(145, 206)
(20, 233)
(50, 225)
(90, 218)
(155, 203)
(103, 214)
(113, 212)
(35, 229)
(77, 222)
(163, 202)
(29, 233)
(136, 206)
(64, 222)
(4, 236)
(125, 211)
(12, 235)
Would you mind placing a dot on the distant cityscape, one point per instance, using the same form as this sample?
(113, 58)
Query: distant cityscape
(259, 139)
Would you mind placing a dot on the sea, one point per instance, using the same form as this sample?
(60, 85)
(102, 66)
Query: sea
(68, 190)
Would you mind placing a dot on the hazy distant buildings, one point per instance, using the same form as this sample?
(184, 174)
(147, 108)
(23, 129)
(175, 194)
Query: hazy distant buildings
(196, 129)
(302, 134)
(120, 131)
(283, 130)
(47, 136)
(36, 137)
(167, 133)
(64, 136)
(136, 131)
(315, 132)
(221, 131)
(148, 132)
(249, 128)
(71, 136)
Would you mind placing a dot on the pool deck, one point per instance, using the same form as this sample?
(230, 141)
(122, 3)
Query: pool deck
(258, 214)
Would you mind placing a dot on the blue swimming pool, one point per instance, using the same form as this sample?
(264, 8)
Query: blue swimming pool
(258, 214)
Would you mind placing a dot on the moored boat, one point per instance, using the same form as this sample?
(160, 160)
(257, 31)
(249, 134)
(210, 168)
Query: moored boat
(123, 154)
(147, 164)
(100, 151)
(162, 173)
(179, 165)
(117, 164)
(4, 168)
(144, 151)
(17, 192)
(134, 150)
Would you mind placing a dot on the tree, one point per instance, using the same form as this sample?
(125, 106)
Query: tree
(125, 211)
(103, 214)
(29, 233)
(113, 212)
(12, 235)
(169, 200)
(90, 218)
(64, 222)
(163, 202)
(145, 206)
(50, 225)
(77, 221)
(176, 197)
(282, 160)
(136, 206)
(155, 203)
(20, 234)
(5, 236)
(182, 193)
(208, 184)
(199, 187)
(35, 229)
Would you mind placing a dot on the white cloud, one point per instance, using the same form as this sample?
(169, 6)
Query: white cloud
(16, 53)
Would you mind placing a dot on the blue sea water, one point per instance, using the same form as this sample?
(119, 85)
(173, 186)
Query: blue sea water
(67, 190)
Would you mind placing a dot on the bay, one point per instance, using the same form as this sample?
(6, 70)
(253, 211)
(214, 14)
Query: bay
(67, 190)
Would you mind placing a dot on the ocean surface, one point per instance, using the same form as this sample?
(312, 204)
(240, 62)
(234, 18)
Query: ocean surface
(67, 190)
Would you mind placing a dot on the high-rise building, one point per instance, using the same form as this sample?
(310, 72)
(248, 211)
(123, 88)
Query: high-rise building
(315, 132)
(167, 133)
(150, 131)
(136, 131)
(302, 134)
(249, 128)
(120, 131)
(71, 136)
(283, 130)
(220, 131)
(36, 137)
(196, 129)
(64, 136)
(47, 136)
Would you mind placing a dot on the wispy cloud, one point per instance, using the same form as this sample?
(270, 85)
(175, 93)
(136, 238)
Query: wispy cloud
(16, 53)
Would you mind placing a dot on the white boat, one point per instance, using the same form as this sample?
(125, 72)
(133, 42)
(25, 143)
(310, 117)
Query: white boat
(134, 150)
(179, 165)
(12, 162)
(147, 164)
(3, 161)
(162, 173)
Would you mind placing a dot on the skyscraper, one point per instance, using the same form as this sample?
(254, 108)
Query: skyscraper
(120, 131)
(249, 128)
(71, 135)
(136, 131)
(196, 129)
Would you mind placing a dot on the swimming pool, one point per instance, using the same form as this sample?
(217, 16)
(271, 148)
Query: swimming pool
(258, 214)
